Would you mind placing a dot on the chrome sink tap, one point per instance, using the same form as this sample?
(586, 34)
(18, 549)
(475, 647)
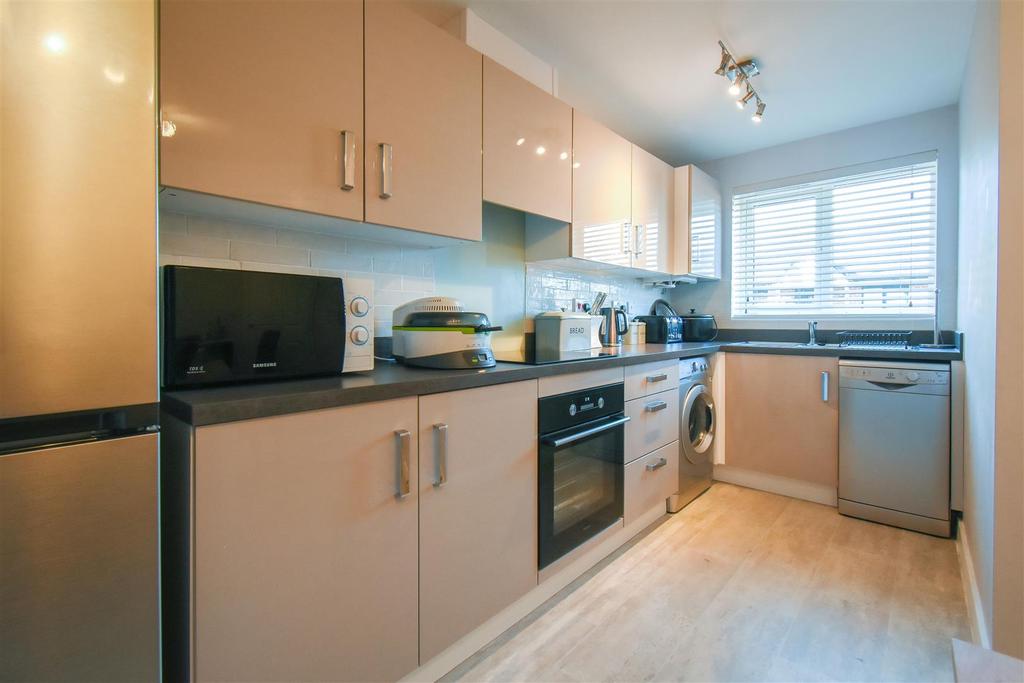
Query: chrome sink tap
(812, 331)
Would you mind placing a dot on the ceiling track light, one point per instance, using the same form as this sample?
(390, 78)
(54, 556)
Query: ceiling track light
(739, 75)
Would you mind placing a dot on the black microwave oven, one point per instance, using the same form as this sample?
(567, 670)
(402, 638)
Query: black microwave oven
(225, 326)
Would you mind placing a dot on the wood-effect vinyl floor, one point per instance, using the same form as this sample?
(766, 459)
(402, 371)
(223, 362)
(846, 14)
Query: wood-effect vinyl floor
(743, 585)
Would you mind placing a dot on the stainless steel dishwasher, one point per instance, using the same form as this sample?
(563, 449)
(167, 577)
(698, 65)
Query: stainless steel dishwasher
(894, 443)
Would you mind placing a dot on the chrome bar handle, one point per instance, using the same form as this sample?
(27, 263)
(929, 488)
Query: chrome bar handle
(638, 239)
(624, 242)
(404, 446)
(608, 423)
(348, 160)
(386, 170)
(655, 406)
(824, 385)
(441, 459)
(657, 378)
(657, 465)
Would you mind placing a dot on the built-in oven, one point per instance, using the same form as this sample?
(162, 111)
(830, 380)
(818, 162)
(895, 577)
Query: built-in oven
(582, 443)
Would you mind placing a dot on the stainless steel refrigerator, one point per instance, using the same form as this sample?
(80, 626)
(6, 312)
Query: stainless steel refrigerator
(79, 586)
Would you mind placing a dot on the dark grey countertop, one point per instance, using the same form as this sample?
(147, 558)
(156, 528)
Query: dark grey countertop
(200, 407)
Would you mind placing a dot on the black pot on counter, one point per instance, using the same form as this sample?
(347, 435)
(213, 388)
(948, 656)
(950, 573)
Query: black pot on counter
(699, 328)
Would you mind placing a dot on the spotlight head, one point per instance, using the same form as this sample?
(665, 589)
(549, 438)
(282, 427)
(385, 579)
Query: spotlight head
(742, 102)
(724, 65)
(759, 113)
(738, 82)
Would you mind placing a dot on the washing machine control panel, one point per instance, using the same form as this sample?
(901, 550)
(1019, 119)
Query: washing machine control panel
(692, 366)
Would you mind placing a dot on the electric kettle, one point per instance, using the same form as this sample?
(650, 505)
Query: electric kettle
(613, 325)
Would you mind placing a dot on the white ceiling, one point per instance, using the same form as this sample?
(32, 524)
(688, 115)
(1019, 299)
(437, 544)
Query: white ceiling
(645, 68)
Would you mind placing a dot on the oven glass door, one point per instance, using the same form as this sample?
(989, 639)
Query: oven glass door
(581, 472)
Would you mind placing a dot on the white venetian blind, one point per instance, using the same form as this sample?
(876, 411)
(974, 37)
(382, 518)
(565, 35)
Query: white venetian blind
(857, 244)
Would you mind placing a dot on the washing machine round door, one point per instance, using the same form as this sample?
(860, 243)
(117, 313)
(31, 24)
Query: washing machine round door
(698, 424)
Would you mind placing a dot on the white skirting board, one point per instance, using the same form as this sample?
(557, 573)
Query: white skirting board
(469, 644)
(784, 486)
(972, 596)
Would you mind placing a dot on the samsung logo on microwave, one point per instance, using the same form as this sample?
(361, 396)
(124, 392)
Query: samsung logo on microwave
(195, 370)
(269, 364)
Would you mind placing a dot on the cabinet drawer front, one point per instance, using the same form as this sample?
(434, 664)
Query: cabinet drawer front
(654, 422)
(650, 480)
(651, 378)
(561, 384)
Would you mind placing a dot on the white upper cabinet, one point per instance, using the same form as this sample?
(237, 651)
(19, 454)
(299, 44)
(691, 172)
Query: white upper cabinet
(697, 247)
(622, 205)
(423, 104)
(601, 209)
(527, 146)
(652, 223)
(266, 102)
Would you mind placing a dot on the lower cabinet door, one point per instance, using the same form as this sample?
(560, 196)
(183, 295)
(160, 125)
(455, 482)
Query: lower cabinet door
(783, 416)
(649, 480)
(478, 508)
(305, 556)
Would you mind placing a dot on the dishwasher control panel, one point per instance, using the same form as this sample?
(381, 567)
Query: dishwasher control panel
(895, 375)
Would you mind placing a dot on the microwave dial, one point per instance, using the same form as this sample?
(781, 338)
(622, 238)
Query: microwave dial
(359, 306)
(573, 409)
(359, 335)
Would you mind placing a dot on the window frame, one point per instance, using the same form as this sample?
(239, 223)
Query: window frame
(835, 174)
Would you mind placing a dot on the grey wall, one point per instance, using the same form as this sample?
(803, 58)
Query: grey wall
(931, 130)
(489, 276)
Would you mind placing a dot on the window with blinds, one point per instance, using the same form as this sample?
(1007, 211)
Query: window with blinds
(861, 244)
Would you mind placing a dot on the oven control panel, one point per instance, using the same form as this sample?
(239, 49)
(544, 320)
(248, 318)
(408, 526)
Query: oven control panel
(576, 407)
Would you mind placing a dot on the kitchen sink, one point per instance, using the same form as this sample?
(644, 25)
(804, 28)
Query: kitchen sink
(785, 345)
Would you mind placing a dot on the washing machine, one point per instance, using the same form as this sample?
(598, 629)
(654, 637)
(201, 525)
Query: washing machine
(697, 423)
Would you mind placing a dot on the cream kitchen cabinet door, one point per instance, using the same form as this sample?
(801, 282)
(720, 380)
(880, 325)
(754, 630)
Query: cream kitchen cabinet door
(478, 507)
(601, 204)
(265, 101)
(423, 125)
(697, 232)
(783, 416)
(305, 552)
(652, 221)
(527, 145)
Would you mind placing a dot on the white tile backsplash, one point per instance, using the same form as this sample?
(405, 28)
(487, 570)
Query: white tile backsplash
(549, 289)
(400, 274)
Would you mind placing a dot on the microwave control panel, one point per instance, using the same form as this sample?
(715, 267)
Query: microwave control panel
(358, 324)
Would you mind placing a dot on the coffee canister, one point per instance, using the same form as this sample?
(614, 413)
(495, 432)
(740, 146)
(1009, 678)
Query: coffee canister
(636, 335)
